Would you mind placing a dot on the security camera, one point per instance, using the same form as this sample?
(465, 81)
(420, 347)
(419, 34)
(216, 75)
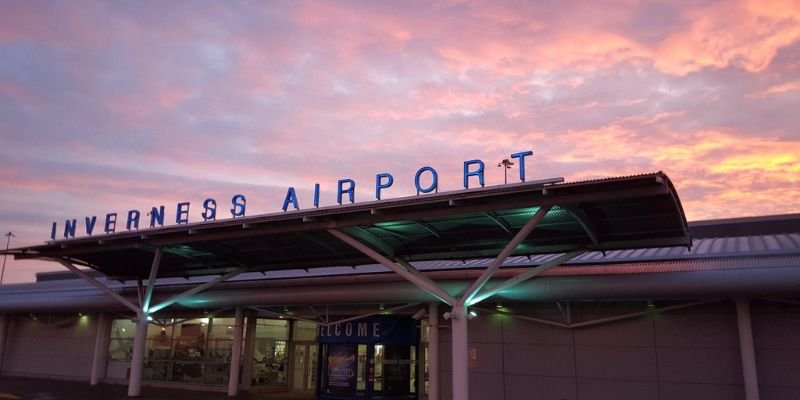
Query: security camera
(420, 314)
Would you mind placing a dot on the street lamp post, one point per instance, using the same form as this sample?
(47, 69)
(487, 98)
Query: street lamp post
(8, 235)
(507, 164)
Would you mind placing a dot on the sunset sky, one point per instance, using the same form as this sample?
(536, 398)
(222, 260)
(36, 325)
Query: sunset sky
(108, 107)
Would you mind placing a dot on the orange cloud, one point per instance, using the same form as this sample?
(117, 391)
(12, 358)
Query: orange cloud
(777, 89)
(746, 35)
(718, 174)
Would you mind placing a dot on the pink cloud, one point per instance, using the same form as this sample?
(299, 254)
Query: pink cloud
(111, 106)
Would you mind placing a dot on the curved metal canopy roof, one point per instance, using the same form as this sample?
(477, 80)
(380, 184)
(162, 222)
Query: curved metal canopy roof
(617, 213)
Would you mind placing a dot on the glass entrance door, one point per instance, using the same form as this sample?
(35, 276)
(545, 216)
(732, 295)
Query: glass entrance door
(304, 370)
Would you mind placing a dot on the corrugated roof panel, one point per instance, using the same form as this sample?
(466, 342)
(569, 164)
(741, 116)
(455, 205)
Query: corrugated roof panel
(701, 246)
(664, 251)
(649, 252)
(730, 245)
(784, 241)
(772, 243)
(796, 239)
(674, 266)
(757, 243)
(717, 244)
(744, 244)
(516, 260)
(615, 253)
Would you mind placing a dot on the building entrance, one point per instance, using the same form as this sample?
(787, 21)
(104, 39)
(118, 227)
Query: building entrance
(370, 358)
(304, 366)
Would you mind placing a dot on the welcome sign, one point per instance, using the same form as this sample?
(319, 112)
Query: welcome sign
(345, 190)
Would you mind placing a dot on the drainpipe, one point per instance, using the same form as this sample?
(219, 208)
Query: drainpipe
(747, 350)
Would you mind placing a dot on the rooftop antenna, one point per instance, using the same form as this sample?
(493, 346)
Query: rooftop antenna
(9, 235)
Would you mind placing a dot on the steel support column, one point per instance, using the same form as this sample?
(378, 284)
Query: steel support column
(100, 348)
(747, 350)
(137, 358)
(523, 233)
(458, 324)
(433, 352)
(420, 280)
(236, 356)
(525, 276)
(4, 322)
(194, 290)
(140, 337)
(249, 350)
(127, 303)
(151, 281)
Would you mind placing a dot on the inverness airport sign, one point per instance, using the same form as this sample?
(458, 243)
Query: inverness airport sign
(473, 169)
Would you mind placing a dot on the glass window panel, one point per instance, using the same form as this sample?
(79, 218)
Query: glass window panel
(120, 349)
(155, 330)
(217, 373)
(220, 349)
(120, 345)
(377, 364)
(272, 328)
(196, 351)
(156, 370)
(222, 328)
(305, 330)
(269, 361)
(187, 372)
(123, 329)
(312, 378)
(190, 339)
(270, 352)
(413, 388)
(159, 342)
(361, 384)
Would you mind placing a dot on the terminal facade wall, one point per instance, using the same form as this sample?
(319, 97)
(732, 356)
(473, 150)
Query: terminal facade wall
(57, 346)
(691, 353)
(676, 355)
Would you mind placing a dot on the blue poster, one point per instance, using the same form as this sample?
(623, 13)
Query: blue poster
(341, 370)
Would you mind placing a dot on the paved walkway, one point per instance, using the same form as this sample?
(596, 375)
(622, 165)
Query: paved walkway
(44, 389)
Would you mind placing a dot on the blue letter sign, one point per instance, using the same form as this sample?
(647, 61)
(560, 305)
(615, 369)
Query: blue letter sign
(90, 224)
(182, 214)
(111, 222)
(239, 203)
(291, 197)
(379, 185)
(478, 172)
(157, 216)
(210, 213)
(69, 228)
(434, 184)
(350, 190)
(521, 157)
(133, 219)
(346, 186)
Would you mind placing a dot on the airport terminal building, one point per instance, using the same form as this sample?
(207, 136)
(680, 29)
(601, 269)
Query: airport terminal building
(536, 290)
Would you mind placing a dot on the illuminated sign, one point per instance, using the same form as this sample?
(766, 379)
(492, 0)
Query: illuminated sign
(345, 192)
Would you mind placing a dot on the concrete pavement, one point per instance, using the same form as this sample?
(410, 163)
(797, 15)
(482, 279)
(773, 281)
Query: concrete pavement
(12, 388)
